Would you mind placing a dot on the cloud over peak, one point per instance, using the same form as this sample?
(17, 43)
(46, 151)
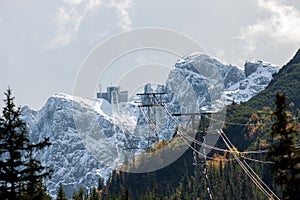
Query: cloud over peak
(281, 25)
(70, 15)
(123, 7)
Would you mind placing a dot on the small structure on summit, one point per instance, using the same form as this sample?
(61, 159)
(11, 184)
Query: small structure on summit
(114, 94)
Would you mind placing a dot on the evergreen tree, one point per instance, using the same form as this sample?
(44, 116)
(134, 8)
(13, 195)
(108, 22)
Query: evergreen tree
(34, 171)
(13, 145)
(283, 152)
(41, 193)
(61, 195)
(94, 194)
(20, 173)
(79, 195)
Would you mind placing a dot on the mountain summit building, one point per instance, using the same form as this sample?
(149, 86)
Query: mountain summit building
(114, 95)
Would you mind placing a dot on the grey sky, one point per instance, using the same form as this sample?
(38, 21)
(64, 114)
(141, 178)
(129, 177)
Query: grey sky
(43, 43)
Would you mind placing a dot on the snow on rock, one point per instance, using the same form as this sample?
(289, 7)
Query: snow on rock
(73, 165)
(258, 75)
(83, 149)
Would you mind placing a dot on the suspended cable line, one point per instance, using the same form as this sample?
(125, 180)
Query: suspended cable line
(201, 154)
(251, 174)
(220, 149)
(215, 148)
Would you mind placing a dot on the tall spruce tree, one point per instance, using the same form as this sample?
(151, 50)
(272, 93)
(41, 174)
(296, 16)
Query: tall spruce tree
(61, 195)
(283, 152)
(78, 195)
(20, 173)
(13, 148)
(34, 171)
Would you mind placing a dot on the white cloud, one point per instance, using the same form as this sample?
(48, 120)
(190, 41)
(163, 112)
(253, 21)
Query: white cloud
(123, 7)
(70, 15)
(282, 25)
(68, 20)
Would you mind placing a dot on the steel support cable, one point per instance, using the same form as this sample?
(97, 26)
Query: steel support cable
(241, 124)
(203, 144)
(233, 123)
(224, 122)
(257, 183)
(255, 160)
(252, 169)
(190, 138)
(260, 180)
(238, 124)
(155, 127)
(201, 154)
(211, 147)
(224, 150)
(246, 152)
(216, 148)
(246, 170)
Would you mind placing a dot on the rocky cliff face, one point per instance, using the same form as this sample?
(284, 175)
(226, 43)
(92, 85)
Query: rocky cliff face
(72, 164)
(203, 78)
(258, 75)
(90, 137)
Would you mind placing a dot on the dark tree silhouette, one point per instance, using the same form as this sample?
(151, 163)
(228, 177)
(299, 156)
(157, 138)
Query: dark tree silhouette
(20, 172)
(13, 146)
(283, 152)
(61, 195)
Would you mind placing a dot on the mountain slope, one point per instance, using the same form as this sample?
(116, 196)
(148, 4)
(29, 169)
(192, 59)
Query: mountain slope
(73, 166)
(258, 75)
(90, 136)
(286, 81)
(226, 179)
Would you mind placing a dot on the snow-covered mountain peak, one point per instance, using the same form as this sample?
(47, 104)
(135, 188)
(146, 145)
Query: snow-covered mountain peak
(254, 65)
(200, 56)
(79, 128)
(73, 99)
(101, 106)
(71, 123)
(258, 74)
(63, 96)
(205, 66)
(197, 58)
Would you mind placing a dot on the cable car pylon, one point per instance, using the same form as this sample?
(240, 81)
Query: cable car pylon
(199, 161)
(151, 101)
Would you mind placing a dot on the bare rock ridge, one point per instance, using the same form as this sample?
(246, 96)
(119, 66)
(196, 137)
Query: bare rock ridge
(75, 166)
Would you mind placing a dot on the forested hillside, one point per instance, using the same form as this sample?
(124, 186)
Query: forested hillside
(286, 81)
(248, 126)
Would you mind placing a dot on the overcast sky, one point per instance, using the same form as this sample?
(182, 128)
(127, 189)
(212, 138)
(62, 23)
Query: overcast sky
(43, 43)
